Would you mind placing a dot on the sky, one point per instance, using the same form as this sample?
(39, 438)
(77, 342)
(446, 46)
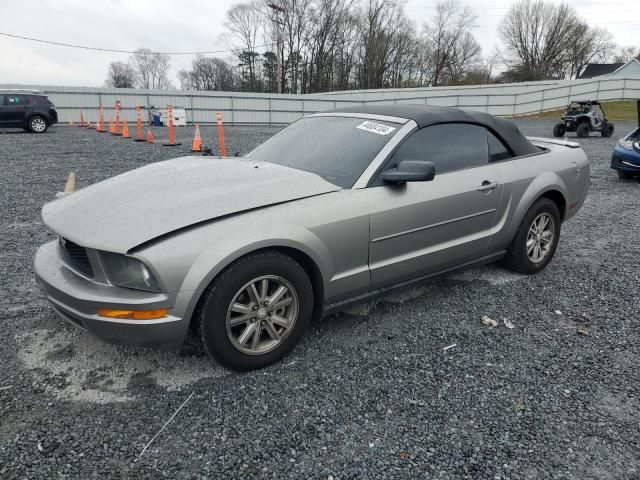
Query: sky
(196, 25)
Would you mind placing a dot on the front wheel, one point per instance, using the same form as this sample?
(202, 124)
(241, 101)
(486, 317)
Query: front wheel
(38, 125)
(559, 130)
(624, 175)
(536, 239)
(583, 130)
(255, 311)
(607, 129)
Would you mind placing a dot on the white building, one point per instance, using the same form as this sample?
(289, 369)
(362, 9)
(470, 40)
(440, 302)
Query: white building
(593, 70)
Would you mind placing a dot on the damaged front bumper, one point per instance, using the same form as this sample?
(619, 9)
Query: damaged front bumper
(76, 299)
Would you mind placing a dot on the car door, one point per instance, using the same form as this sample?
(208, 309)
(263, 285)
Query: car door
(15, 109)
(420, 228)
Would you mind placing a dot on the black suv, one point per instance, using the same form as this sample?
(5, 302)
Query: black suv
(25, 109)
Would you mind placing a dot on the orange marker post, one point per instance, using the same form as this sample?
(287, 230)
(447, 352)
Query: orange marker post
(117, 126)
(139, 137)
(172, 132)
(149, 136)
(81, 118)
(100, 126)
(223, 149)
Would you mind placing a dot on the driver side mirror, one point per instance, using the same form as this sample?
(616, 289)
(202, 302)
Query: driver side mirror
(410, 171)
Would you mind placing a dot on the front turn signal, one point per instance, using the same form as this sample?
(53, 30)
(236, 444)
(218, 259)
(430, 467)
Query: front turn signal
(133, 314)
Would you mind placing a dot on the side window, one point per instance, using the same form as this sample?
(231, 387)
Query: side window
(449, 146)
(497, 150)
(16, 100)
(1, 100)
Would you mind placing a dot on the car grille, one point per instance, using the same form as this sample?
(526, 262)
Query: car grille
(75, 256)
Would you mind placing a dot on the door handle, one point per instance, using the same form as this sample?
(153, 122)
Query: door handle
(487, 186)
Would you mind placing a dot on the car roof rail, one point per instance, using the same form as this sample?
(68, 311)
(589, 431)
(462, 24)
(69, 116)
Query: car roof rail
(21, 90)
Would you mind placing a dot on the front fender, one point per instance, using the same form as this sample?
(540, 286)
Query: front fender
(189, 261)
(229, 248)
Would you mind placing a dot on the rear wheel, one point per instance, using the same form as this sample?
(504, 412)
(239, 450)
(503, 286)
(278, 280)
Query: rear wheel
(537, 238)
(255, 311)
(583, 130)
(607, 129)
(38, 124)
(559, 130)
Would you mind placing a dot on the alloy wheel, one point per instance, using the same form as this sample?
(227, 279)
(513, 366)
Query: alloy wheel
(540, 237)
(38, 125)
(262, 314)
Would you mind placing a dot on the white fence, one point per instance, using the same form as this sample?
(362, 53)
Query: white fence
(254, 108)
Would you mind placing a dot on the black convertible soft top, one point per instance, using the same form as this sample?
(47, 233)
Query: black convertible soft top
(426, 115)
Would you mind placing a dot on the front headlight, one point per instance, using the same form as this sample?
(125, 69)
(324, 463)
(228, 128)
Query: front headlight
(129, 272)
(626, 144)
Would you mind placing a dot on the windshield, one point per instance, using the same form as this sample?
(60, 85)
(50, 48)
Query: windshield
(338, 149)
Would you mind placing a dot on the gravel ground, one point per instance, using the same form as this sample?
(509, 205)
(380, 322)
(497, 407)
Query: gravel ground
(369, 393)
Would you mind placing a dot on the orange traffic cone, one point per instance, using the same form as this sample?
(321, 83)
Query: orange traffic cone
(172, 131)
(221, 146)
(112, 128)
(139, 137)
(196, 146)
(149, 136)
(125, 130)
(81, 118)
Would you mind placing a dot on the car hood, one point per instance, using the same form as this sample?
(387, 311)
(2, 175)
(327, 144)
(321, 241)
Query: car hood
(125, 211)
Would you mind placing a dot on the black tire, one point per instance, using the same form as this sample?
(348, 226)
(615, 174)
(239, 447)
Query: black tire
(624, 175)
(607, 129)
(583, 130)
(559, 130)
(517, 258)
(38, 124)
(211, 316)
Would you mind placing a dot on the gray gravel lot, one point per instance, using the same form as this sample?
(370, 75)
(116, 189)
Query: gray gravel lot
(369, 393)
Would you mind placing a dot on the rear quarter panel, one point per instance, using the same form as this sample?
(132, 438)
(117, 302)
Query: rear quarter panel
(562, 169)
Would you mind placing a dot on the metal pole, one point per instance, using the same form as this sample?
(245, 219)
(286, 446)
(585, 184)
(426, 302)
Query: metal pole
(277, 9)
(279, 62)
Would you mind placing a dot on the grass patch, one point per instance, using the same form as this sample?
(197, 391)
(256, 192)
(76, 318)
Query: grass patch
(620, 110)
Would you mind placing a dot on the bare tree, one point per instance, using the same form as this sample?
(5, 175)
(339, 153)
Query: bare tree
(624, 54)
(208, 73)
(291, 16)
(536, 34)
(245, 21)
(341, 44)
(453, 44)
(379, 21)
(464, 57)
(151, 69)
(589, 45)
(121, 75)
(185, 79)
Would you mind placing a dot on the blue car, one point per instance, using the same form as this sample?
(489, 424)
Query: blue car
(626, 155)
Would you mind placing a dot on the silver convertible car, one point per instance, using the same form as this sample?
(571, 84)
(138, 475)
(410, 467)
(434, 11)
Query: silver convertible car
(332, 210)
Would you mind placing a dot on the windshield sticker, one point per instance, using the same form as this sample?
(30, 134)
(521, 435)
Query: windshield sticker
(374, 127)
